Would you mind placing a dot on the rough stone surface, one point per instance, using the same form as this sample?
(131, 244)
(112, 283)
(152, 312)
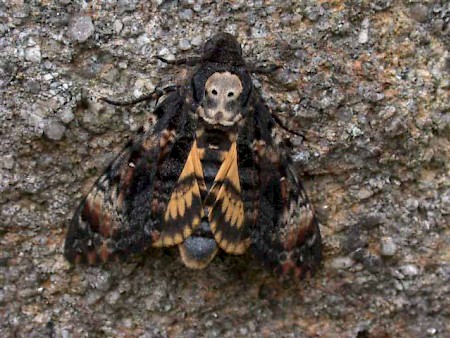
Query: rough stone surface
(54, 130)
(388, 247)
(366, 82)
(81, 28)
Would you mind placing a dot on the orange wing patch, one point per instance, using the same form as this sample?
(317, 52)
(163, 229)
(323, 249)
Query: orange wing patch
(185, 208)
(226, 213)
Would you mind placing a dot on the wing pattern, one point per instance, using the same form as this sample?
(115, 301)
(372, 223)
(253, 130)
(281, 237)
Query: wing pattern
(226, 209)
(185, 208)
(286, 236)
(113, 220)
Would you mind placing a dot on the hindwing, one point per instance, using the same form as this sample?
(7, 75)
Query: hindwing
(185, 207)
(226, 209)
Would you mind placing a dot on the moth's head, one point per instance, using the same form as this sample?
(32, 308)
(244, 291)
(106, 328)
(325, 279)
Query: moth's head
(223, 48)
(222, 84)
(222, 98)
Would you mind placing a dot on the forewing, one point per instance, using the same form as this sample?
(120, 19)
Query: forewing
(286, 236)
(226, 208)
(101, 229)
(117, 217)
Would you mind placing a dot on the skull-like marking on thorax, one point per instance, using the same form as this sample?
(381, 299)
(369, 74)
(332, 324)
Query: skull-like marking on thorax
(221, 104)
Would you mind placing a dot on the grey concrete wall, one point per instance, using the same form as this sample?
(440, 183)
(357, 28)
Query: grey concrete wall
(367, 82)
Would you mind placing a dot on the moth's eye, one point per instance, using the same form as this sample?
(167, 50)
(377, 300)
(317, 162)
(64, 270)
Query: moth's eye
(230, 94)
(214, 92)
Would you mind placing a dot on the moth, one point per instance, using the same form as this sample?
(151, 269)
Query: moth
(207, 177)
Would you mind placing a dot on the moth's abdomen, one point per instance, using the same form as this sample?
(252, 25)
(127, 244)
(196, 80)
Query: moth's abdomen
(200, 248)
(211, 161)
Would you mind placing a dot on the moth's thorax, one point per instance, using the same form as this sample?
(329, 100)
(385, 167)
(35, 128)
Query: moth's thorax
(215, 138)
(221, 104)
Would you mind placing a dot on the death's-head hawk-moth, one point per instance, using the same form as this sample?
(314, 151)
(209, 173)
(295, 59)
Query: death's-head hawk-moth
(207, 177)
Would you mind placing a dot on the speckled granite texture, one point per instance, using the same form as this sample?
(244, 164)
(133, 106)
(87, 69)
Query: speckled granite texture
(368, 84)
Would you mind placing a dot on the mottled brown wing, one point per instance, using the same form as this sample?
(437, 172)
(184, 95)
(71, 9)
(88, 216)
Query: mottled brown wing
(124, 211)
(226, 209)
(286, 236)
(185, 208)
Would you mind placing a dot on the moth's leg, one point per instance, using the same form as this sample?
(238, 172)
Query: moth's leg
(282, 124)
(192, 61)
(155, 95)
(271, 117)
(267, 70)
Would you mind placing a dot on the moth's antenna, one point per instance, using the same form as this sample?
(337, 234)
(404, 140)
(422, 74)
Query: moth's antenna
(264, 70)
(156, 95)
(127, 103)
(282, 125)
(191, 61)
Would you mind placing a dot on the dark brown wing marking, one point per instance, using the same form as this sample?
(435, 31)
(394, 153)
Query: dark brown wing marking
(185, 208)
(226, 210)
(113, 221)
(298, 229)
(99, 226)
(287, 235)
